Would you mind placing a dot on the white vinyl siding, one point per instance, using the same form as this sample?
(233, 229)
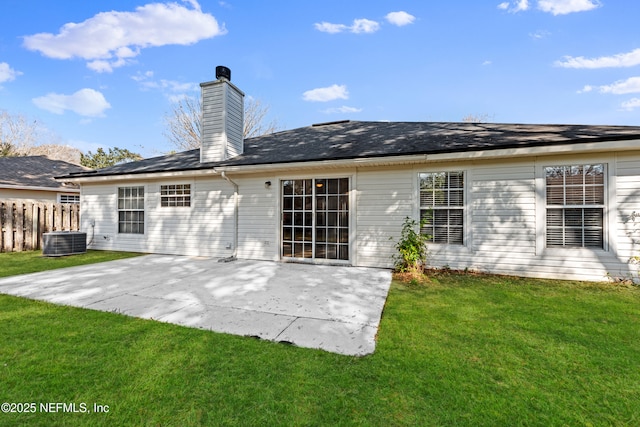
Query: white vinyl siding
(384, 198)
(505, 218)
(258, 218)
(204, 229)
(222, 121)
(628, 212)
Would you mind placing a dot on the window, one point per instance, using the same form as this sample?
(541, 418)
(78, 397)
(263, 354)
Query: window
(575, 206)
(442, 206)
(175, 195)
(69, 198)
(131, 210)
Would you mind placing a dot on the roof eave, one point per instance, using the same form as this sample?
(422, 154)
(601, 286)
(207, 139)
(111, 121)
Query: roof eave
(387, 160)
(390, 160)
(40, 188)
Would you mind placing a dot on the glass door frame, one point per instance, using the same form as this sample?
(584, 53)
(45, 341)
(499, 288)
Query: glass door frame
(335, 220)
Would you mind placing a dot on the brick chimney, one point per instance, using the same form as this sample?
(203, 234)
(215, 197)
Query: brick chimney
(222, 118)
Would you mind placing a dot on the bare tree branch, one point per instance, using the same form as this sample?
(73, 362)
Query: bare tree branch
(17, 134)
(20, 136)
(184, 122)
(477, 118)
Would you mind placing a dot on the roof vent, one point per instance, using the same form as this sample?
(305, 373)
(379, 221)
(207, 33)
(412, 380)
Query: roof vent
(339, 122)
(223, 72)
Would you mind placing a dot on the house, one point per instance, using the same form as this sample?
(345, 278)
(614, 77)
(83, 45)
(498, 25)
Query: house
(32, 179)
(557, 201)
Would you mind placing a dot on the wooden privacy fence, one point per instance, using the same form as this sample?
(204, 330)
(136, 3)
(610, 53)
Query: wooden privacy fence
(22, 223)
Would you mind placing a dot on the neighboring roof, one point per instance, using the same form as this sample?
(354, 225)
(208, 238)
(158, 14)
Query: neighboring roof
(355, 139)
(36, 172)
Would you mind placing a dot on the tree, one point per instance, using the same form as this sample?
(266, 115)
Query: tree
(62, 152)
(20, 136)
(184, 122)
(101, 159)
(16, 134)
(477, 118)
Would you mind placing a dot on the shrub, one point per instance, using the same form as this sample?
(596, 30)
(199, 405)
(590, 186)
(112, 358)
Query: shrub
(412, 247)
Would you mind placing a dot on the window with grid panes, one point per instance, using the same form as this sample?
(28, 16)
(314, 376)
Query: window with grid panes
(69, 198)
(131, 210)
(575, 205)
(175, 195)
(315, 218)
(442, 206)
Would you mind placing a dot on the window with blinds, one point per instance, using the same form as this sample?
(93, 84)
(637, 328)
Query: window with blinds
(442, 206)
(575, 206)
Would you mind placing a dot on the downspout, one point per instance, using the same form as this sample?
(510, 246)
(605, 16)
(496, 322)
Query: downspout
(236, 206)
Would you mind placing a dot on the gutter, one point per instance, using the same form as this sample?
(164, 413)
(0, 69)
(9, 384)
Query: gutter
(236, 208)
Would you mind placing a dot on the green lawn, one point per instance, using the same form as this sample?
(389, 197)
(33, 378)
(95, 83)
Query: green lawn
(462, 350)
(13, 263)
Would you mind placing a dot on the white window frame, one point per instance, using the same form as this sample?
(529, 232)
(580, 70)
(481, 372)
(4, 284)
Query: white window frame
(76, 198)
(609, 224)
(563, 206)
(131, 209)
(176, 195)
(353, 253)
(464, 208)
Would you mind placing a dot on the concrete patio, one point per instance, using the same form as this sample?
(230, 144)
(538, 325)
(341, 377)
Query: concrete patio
(337, 309)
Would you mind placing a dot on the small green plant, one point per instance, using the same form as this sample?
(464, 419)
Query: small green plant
(412, 247)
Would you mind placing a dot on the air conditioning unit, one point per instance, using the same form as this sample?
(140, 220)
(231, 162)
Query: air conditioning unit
(59, 243)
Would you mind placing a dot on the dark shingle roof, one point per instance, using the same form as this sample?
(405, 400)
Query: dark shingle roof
(35, 171)
(355, 139)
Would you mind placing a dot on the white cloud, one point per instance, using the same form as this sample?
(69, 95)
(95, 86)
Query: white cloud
(111, 39)
(358, 26)
(555, 7)
(172, 89)
(628, 59)
(7, 73)
(400, 18)
(327, 27)
(586, 89)
(563, 7)
(540, 34)
(621, 87)
(516, 6)
(364, 26)
(85, 102)
(170, 86)
(325, 94)
(631, 104)
(140, 77)
(487, 62)
(342, 110)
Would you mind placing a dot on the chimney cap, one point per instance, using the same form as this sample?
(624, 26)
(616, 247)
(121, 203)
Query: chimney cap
(223, 72)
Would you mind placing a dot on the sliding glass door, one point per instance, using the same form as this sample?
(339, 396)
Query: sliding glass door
(315, 218)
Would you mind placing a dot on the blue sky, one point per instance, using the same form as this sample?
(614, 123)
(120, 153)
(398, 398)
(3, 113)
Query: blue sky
(105, 73)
